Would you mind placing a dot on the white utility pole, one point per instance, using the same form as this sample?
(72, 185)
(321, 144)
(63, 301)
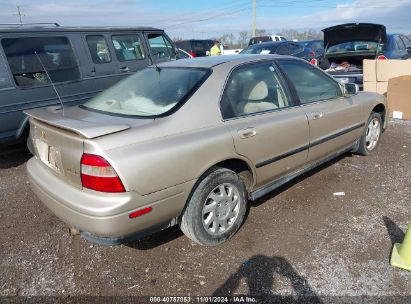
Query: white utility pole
(254, 16)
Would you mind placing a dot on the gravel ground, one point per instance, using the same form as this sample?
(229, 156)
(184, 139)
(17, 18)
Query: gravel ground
(300, 242)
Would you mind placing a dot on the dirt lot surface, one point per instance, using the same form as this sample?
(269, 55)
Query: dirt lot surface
(302, 241)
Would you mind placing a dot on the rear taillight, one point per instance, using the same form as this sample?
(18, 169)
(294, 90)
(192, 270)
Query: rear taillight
(192, 53)
(312, 54)
(382, 57)
(97, 174)
(314, 61)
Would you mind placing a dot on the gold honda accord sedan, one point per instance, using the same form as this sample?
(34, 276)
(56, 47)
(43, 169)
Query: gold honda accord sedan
(190, 142)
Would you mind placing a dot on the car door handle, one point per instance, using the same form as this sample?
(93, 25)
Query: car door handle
(246, 133)
(317, 115)
(125, 69)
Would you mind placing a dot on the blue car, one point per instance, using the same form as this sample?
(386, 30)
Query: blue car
(347, 45)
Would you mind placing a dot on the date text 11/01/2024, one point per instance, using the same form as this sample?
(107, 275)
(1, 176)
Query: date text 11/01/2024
(198, 299)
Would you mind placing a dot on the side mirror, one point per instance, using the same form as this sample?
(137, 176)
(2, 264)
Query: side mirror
(351, 89)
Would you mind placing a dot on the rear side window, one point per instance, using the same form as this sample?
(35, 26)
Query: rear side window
(160, 46)
(98, 48)
(311, 85)
(296, 48)
(399, 44)
(283, 50)
(4, 78)
(407, 42)
(128, 47)
(54, 53)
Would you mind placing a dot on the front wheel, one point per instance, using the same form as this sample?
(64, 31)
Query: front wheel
(371, 136)
(216, 208)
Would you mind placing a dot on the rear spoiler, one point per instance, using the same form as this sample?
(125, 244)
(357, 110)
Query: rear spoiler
(87, 129)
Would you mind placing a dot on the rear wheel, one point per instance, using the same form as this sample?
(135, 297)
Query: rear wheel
(371, 136)
(216, 208)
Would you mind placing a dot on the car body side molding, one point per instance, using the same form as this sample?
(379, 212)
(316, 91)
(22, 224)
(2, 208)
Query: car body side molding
(256, 194)
(312, 144)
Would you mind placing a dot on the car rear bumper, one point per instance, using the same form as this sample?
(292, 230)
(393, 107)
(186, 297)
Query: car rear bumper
(70, 205)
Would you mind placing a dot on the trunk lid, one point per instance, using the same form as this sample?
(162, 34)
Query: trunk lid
(354, 32)
(58, 141)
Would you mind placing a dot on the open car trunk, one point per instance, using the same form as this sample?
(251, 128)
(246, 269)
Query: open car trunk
(347, 45)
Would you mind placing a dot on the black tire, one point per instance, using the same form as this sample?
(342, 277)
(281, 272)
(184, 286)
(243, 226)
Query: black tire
(364, 147)
(192, 221)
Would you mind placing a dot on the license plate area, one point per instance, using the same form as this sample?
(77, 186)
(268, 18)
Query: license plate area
(49, 155)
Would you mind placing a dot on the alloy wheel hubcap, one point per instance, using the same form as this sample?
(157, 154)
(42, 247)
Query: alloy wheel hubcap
(373, 134)
(221, 209)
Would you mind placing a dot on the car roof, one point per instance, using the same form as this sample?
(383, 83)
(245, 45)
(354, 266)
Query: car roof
(56, 28)
(270, 43)
(313, 40)
(212, 61)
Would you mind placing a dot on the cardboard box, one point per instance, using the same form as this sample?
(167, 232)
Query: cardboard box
(369, 70)
(399, 97)
(382, 88)
(387, 69)
(370, 86)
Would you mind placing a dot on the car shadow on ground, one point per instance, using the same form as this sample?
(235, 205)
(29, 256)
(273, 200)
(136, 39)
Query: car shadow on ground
(261, 274)
(298, 179)
(14, 155)
(157, 239)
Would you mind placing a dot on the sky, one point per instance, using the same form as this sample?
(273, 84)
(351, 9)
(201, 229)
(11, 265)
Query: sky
(212, 18)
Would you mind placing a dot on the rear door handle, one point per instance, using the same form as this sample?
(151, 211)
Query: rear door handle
(317, 115)
(125, 69)
(246, 133)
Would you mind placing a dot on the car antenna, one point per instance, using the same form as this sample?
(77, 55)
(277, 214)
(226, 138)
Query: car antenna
(51, 81)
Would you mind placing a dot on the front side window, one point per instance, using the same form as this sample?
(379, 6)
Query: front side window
(311, 84)
(30, 57)
(253, 89)
(128, 47)
(149, 92)
(160, 46)
(98, 48)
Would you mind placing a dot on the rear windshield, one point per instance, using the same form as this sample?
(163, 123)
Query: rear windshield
(201, 46)
(353, 47)
(258, 49)
(149, 92)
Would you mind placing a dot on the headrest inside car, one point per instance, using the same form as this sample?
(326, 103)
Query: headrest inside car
(258, 92)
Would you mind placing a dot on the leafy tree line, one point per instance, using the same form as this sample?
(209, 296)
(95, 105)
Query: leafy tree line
(240, 40)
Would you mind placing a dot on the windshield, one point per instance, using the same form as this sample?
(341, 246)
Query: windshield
(353, 47)
(148, 92)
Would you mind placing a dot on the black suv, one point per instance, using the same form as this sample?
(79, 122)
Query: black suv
(196, 48)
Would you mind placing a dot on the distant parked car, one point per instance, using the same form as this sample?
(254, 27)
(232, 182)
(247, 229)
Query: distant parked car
(347, 45)
(196, 47)
(189, 142)
(260, 39)
(295, 49)
(79, 61)
(317, 46)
